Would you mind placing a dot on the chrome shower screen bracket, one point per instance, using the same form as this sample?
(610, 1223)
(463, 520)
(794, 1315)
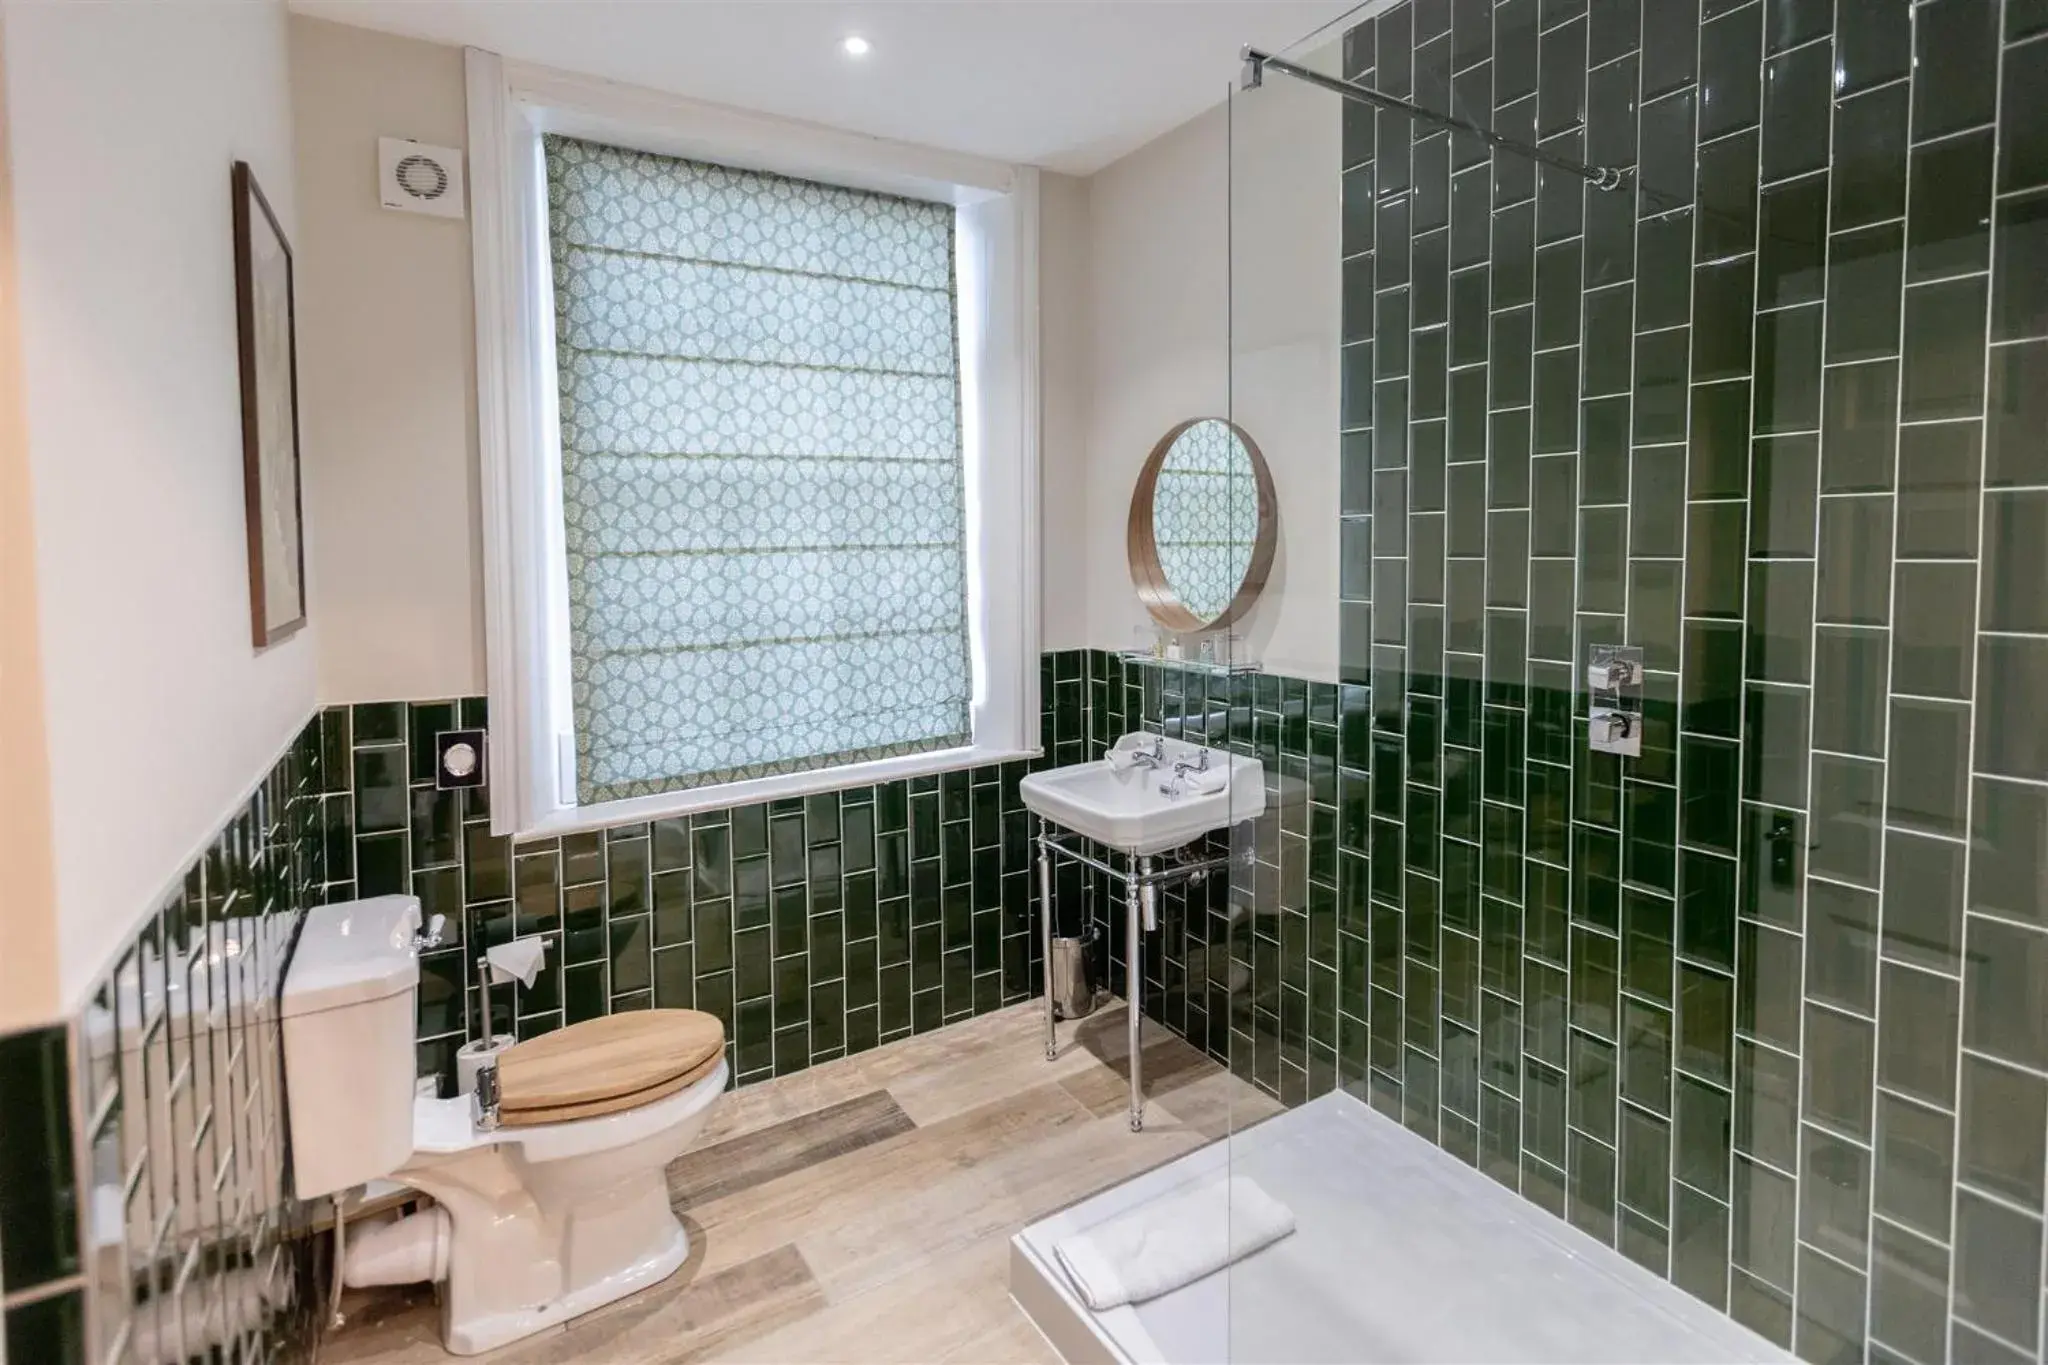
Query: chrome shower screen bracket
(1253, 75)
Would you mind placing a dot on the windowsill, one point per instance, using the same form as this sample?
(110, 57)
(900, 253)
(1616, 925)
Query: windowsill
(727, 795)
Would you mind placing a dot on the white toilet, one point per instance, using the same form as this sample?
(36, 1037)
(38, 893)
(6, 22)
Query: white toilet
(538, 1220)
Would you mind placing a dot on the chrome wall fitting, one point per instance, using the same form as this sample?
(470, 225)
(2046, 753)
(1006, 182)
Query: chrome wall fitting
(1614, 686)
(1257, 63)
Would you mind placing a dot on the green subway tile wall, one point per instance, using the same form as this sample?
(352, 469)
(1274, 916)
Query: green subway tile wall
(163, 1102)
(813, 927)
(1762, 1007)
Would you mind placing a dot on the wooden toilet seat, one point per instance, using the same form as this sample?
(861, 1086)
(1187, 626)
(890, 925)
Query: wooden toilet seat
(603, 1066)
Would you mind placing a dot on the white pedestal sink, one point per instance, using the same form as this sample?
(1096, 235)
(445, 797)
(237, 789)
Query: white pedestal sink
(1149, 796)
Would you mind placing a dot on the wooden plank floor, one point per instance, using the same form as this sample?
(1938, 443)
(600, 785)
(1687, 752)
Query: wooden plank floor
(861, 1211)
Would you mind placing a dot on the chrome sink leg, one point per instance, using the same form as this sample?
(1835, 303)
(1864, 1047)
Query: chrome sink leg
(1052, 1033)
(1144, 912)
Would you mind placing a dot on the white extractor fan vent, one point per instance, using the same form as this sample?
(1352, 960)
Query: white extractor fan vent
(417, 178)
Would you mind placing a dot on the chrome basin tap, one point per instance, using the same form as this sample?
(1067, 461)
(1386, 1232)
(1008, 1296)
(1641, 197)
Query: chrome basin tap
(1154, 757)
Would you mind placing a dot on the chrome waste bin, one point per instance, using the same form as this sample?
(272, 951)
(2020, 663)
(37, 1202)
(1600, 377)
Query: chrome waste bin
(1073, 975)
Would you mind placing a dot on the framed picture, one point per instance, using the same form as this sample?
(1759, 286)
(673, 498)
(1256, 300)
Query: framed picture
(270, 415)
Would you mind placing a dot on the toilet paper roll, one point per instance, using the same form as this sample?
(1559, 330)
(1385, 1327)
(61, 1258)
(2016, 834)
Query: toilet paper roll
(471, 1058)
(518, 960)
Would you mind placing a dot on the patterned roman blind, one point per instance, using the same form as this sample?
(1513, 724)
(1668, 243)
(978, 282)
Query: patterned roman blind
(762, 478)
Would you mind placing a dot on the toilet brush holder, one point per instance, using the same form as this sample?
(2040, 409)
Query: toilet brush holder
(474, 1056)
(471, 1058)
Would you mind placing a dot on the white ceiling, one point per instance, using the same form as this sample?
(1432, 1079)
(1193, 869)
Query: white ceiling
(1067, 85)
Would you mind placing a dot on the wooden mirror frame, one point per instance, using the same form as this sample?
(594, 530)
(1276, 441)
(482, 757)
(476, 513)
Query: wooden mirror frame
(1142, 549)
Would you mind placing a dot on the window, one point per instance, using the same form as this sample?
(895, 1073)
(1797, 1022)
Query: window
(762, 478)
(757, 416)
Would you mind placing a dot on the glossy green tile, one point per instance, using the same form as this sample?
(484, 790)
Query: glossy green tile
(1867, 164)
(1655, 609)
(1718, 459)
(381, 865)
(1766, 1103)
(2003, 1117)
(1832, 1307)
(1948, 222)
(2005, 969)
(1645, 1164)
(1923, 899)
(1914, 1165)
(1710, 782)
(2015, 563)
(1707, 907)
(1848, 819)
(1909, 1292)
(1768, 985)
(1646, 944)
(1859, 427)
(1592, 1187)
(1722, 321)
(1834, 1196)
(1863, 292)
(1788, 369)
(1780, 622)
(377, 722)
(38, 1201)
(1661, 374)
(50, 1331)
(1791, 242)
(1839, 1052)
(380, 789)
(1913, 1059)
(1997, 1252)
(1941, 375)
(1849, 668)
(2009, 836)
(1795, 111)
(2023, 155)
(1714, 562)
(1784, 480)
(1702, 1129)
(1955, 58)
(1699, 1245)
(2012, 734)
(1939, 494)
(1765, 1209)
(1706, 1020)
(1650, 835)
(1609, 319)
(1728, 72)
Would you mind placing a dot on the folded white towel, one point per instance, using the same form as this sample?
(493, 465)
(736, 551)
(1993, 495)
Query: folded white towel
(1172, 1241)
(1211, 779)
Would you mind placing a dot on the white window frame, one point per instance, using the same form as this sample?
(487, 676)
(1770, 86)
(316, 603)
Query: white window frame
(511, 104)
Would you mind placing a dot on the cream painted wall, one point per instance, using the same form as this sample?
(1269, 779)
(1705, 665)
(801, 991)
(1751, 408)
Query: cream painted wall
(388, 374)
(123, 121)
(389, 387)
(1180, 230)
(1135, 334)
(1064, 318)
(28, 914)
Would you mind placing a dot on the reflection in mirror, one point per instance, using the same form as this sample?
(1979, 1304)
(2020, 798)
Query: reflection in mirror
(1201, 526)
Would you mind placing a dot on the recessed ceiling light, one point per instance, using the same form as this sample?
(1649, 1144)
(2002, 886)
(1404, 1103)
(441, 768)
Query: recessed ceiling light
(856, 46)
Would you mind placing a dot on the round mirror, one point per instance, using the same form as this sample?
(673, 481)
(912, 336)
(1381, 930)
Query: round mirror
(1201, 528)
